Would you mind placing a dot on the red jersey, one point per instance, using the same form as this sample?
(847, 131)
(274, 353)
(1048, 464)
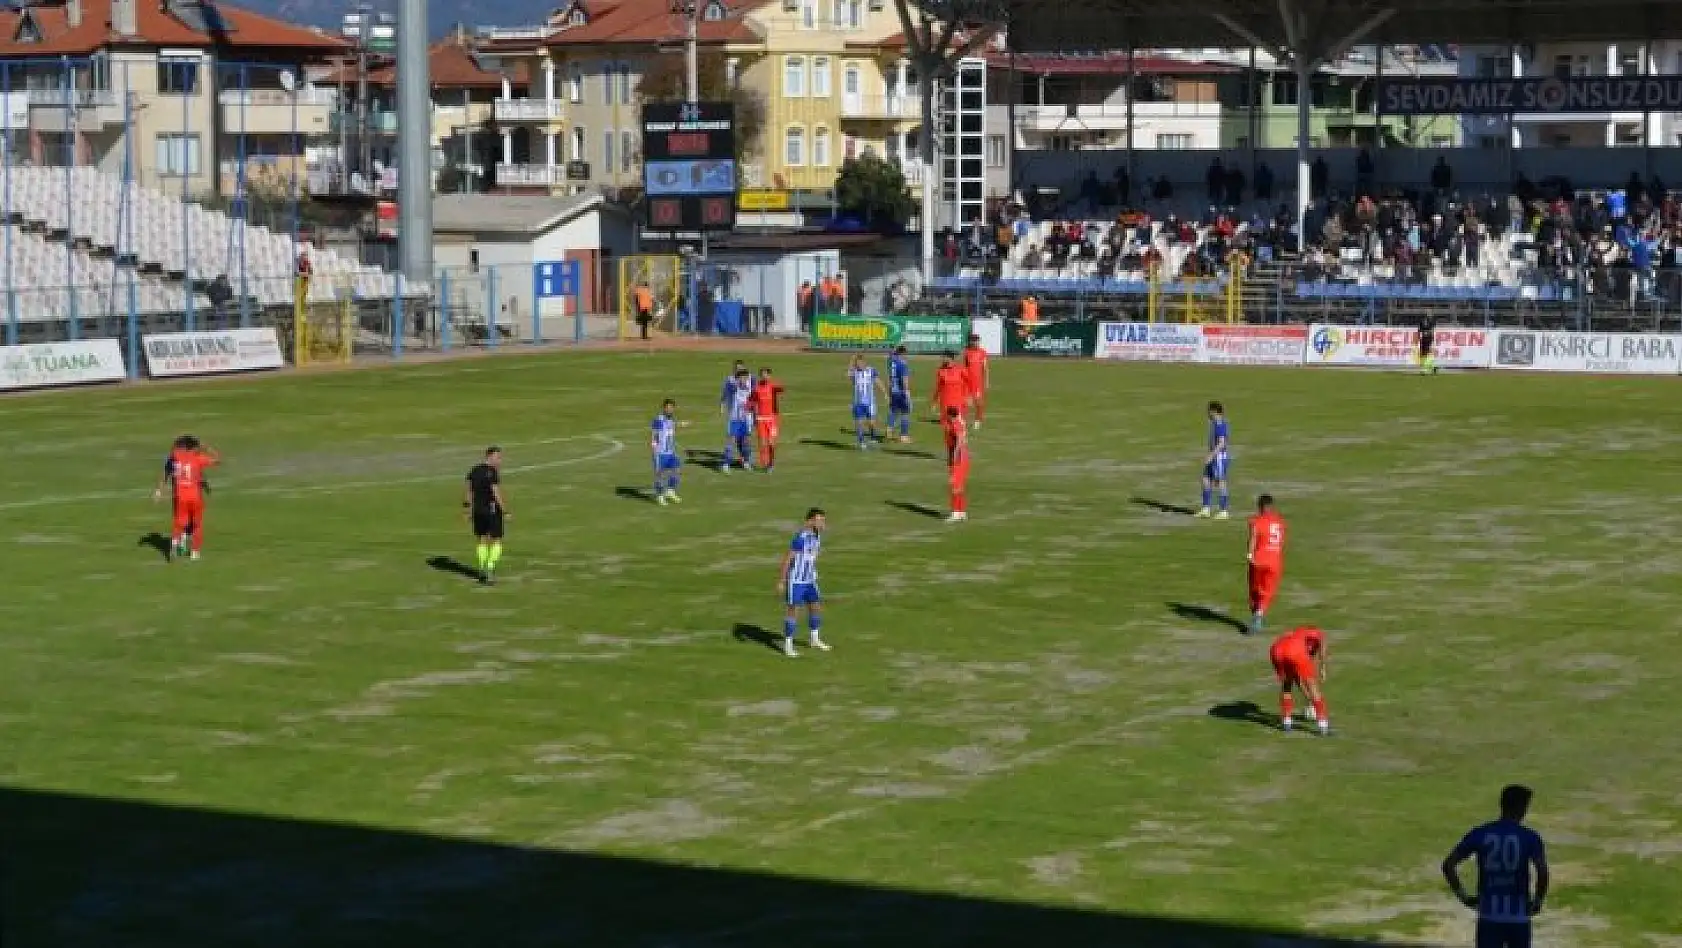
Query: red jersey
(957, 442)
(764, 398)
(975, 367)
(951, 384)
(185, 470)
(1267, 540)
(1302, 640)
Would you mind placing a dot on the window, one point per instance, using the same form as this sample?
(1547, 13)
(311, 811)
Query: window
(1491, 67)
(820, 147)
(794, 77)
(714, 11)
(850, 13)
(809, 13)
(849, 148)
(1629, 64)
(794, 147)
(1174, 142)
(607, 152)
(579, 143)
(996, 151)
(789, 6)
(178, 77)
(820, 77)
(1626, 134)
(575, 84)
(1492, 142)
(178, 155)
(578, 17)
(1442, 141)
(28, 30)
(732, 72)
(627, 151)
(624, 85)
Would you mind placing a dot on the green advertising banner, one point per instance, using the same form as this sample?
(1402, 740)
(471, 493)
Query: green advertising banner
(1068, 340)
(918, 334)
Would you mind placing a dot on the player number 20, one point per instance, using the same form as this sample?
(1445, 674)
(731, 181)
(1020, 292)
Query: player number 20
(1501, 854)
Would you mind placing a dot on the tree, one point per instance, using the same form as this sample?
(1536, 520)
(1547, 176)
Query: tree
(873, 189)
(663, 81)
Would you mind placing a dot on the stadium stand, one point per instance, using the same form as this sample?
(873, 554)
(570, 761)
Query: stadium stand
(172, 243)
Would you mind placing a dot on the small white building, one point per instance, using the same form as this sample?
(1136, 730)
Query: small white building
(487, 246)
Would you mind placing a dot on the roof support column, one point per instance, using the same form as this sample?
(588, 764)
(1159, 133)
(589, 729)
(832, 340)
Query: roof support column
(1305, 171)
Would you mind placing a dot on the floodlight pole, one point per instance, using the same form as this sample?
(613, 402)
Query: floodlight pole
(414, 145)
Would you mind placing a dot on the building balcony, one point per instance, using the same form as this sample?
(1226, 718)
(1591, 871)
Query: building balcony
(530, 176)
(278, 112)
(379, 123)
(880, 107)
(529, 110)
(912, 169)
(50, 110)
(1109, 116)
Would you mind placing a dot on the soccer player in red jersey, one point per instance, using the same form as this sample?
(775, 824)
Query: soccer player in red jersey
(764, 401)
(957, 463)
(1267, 559)
(951, 387)
(184, 471)
(975, 377)
(1299, 660)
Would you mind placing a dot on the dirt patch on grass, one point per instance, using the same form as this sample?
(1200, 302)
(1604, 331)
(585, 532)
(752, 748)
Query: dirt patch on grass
(901, 791)
(671, 821)
(774, 708)
(1058, 871)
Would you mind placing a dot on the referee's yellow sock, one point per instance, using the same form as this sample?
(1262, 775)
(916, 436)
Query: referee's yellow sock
(484, 556)
(494, 556)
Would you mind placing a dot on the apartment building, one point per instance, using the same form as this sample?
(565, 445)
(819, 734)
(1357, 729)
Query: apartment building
(1605, 129)
(464, 136)
(185, 93)
(833, 80)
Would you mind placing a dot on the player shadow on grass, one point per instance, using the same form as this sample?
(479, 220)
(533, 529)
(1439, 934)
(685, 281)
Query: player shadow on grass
(1245, 712)
(635, 493)
(702, 457)
(156, 541)
(1161, 507)
(1206, 614)
(449, 564)
(918, 509)
(758, 635)
(106, 871)
(829, 443)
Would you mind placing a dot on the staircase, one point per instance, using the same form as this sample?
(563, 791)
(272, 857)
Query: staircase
(1258, 300)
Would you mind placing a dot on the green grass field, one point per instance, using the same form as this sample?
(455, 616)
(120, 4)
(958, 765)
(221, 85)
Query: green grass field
(314, 737)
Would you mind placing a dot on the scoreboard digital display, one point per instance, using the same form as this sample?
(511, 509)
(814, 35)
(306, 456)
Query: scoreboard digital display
(689, 166)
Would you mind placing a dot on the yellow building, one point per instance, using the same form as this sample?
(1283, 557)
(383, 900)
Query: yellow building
(831, 75)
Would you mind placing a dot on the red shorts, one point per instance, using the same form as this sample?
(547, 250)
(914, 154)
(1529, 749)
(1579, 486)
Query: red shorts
(946, 406)
(1292, 668)
(766, 429)
(975, 388)
(189, 513)
(1264, 583)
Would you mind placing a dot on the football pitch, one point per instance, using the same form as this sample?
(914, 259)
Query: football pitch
(1037, 728)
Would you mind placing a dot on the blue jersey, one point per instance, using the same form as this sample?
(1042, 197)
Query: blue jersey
(864, 386)
(1219, 450)
(1505, 852)
(737, 408)
(664, 441)
(899, 375)
(803, 566)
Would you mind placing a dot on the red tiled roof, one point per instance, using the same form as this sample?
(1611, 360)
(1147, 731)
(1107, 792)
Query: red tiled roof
(451, 66)
(154, 27)
(652, 21)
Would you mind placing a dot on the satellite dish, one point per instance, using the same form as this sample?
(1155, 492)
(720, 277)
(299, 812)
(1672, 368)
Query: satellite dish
(287, 81)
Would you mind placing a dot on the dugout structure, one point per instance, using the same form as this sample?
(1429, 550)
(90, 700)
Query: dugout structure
(663, 275)
(323, 333)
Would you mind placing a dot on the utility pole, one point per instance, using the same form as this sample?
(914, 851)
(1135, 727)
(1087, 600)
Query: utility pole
(364, 35)
(690, 10)
(414, 143)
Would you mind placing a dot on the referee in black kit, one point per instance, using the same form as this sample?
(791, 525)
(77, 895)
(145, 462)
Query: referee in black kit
(485, 508)
(1428, 345)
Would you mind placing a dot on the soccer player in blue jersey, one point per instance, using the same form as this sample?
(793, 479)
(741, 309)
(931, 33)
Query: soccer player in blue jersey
(662, 445)
(899, 394)
(866, 386)
(798, 583)
(1508, 854)
(1215, 464)
(737, 405)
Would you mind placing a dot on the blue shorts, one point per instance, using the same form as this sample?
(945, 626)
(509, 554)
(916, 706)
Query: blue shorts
(739, 429)
(864, 412)
(1503, 935)
(667, 462)
(804, 594)
(1216, 470)
(899, 403)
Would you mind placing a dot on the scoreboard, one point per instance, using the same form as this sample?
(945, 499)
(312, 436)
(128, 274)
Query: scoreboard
(689, 166)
